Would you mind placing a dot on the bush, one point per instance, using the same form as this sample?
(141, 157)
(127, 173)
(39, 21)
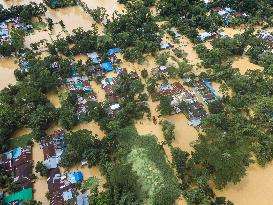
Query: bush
(168, 131)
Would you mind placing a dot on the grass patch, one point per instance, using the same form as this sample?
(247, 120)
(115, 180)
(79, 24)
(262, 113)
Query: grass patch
(21, 141)
(148, 160)
(39, 25)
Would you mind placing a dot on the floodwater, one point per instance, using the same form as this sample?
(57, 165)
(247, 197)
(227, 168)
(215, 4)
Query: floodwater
(7, 67)
(254, 189)
(40, 185)
(232, 31)
(216, 87)
(110, 7)
(21, 132)
(53, 97)
(100, 93)
(244, 64)
(87, 173)
(91, 126)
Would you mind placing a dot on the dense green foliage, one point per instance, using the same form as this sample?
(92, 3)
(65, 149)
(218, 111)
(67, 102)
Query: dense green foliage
(60, 3)
(165, 105)
(135, 31)
(67, 112)
(239, 125)
(81, 145)
(13, 44)
(41, 169)
(168, 131)
(24, 11)
(141, 173)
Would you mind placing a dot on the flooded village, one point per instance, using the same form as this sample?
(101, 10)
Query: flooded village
(175, 85)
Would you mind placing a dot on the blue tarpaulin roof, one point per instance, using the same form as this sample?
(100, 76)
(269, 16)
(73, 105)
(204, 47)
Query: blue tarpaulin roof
(16, 152)
(113, 50)
(107, 66)
(78, 176)
(212, 90)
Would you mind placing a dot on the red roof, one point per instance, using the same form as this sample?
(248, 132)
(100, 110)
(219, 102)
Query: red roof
(26, 156)
(56, 198)
(175, 88)
(7, 166)
(49, 151)
(23, 173)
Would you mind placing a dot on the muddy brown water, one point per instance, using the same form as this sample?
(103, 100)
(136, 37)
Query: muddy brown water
(255, 188)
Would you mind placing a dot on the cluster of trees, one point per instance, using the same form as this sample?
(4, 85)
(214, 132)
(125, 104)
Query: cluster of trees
(136, 175)
(135, 31)
(168, 131)
(26, 11)
(147, 3)
(68, 111)
(25, 104)
(13, 44)
(81, 145)
(54, 4)
(41, 169)
(188, 16)
(238, 126)
(82, 42)
(98, 14)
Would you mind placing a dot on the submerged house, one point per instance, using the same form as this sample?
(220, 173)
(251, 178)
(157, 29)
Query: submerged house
(81, 86)
(267, 37)
(105, 65)
(62, 187)
(207, 93)
(17, 163)
(195, 111)
(4, 31)
(94, 57)
(175, 33)
(17, 198)
(112, 55)
(82, 199)
(53, 147)
(165, 45)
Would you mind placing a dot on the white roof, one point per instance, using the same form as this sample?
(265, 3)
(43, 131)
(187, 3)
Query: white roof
(93, 56)
(177, 35)
(115, 106)
(82, 199)
(162, 68)
(204, 35)
(52, 162)
(222, 12)
(164, 45)
(67, 195)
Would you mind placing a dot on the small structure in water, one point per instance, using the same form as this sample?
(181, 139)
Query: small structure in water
(183, 101)
(165, 45)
